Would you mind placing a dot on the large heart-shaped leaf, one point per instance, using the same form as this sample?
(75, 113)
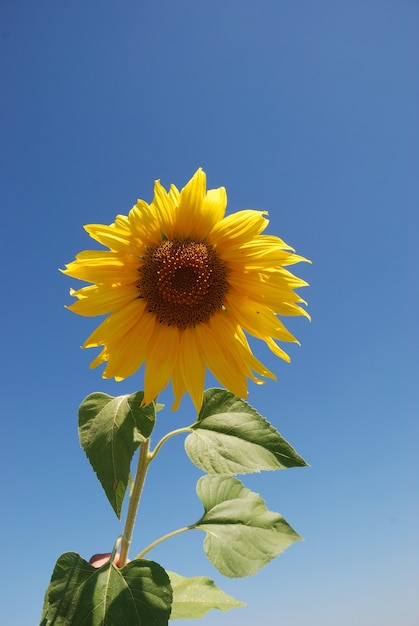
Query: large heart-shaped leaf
(194, 597)
(110, 430)
(230, 437)
(80, 595)
(242, 535)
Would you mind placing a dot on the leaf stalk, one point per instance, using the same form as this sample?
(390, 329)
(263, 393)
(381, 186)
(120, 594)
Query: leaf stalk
(163, 538)
(178, 431)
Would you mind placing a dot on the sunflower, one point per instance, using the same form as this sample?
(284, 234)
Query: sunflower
(182, 284)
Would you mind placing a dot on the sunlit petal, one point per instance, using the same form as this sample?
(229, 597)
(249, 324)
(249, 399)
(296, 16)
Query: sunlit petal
(161, 360)
(192, 367)
(183, 287)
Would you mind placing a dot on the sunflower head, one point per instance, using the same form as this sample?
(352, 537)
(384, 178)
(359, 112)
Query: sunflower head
(182, 286)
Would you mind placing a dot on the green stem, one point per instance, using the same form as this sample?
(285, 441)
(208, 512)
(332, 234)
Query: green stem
(158, 541)
(178, 431)
(143, 463)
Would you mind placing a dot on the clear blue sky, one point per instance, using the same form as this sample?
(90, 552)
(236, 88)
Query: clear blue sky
(308, 109)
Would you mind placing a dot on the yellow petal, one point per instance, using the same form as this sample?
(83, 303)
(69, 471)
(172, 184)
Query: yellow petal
(161, 359)
(128, 352)
(116, 239)
(238, 228)
(255, 288)
(99, 300)
(269, 290)
(220, 352)
(96, 266)
(116, 325)
(164, 207)
(188, 223)
(192, 366)
(178, 386)
(257, 319)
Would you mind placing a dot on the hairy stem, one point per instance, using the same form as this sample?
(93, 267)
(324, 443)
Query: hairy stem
(143, 463)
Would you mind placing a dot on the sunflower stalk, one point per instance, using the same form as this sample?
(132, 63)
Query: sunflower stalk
(144, 460)
(182, 286)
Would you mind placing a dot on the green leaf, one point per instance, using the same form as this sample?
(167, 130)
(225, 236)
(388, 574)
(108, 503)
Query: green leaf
(81, 595)
(242, 534)
(194, 597)
(230, 437)
(110, 430)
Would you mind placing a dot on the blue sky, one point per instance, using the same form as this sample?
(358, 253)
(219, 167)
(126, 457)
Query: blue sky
(306, 109)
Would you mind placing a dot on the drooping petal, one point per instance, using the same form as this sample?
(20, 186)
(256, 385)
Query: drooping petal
(178, 386)
(253, 363)
(257, 319)
(161, 359)
(222, 357)
(269, 290)
(128, 351)
(116, 325)
(192, 366)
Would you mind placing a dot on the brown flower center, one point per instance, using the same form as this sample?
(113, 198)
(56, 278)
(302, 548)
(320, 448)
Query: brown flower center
(183, 281)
